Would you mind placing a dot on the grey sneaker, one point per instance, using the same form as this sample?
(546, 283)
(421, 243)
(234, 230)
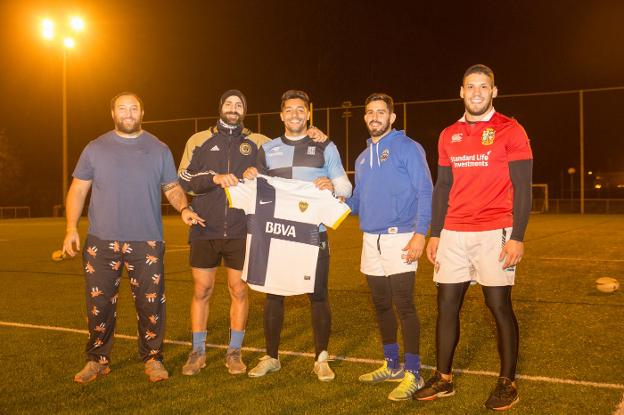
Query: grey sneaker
(195, 362)
(156, 371)
(91, 371)
(383, 374)
(408, 386)
(234, 362)
(322, 369)
(266, 365)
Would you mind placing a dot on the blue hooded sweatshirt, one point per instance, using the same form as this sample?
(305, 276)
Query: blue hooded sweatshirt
(392, 186)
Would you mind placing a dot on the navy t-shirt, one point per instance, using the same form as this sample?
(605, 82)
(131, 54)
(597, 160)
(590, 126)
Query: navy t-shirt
(126, 193)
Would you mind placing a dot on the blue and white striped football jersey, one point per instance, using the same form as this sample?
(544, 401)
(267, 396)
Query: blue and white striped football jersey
(283, 216)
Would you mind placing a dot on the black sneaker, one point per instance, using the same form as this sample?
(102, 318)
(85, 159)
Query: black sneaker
(504, 395)
(435, 387)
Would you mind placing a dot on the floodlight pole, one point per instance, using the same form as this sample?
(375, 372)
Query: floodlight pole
(582, 150)
(346, 115)
(64, 138)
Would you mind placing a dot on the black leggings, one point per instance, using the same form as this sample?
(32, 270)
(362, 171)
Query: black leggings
(498, 300)
(396, 289)
(319, 302)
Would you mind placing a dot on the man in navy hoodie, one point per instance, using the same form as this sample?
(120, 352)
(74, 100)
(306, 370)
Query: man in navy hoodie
(393, 199)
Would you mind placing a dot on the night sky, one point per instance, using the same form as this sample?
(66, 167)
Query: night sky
(180, 56)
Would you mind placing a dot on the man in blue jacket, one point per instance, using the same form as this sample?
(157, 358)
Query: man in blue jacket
(393, 199)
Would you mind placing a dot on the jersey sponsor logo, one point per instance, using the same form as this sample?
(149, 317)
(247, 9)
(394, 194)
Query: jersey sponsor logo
(471, 160)
(311, 151)
(215, 148)
(384, 155)
(245, 149)
(280, 229)
(487, 137)
(275, 151)
(303, 206)
(457, 137)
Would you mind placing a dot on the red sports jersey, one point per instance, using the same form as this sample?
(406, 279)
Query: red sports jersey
(481, 197)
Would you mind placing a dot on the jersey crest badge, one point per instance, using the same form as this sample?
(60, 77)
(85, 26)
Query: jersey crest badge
(311, 150)
(487, 137)
(303, 206)
(245, 149)
(384, 155)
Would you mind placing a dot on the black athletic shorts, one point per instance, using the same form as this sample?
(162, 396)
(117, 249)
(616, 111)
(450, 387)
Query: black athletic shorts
(207, 253)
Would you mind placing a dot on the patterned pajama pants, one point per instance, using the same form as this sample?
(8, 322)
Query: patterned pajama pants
(103, 263)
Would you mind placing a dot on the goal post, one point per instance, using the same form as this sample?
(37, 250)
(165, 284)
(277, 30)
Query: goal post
(540, 198)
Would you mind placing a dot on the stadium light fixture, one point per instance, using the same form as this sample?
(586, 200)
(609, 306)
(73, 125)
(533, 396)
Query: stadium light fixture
(69, 42)
(47, 29)
(77, 24)
(74, 25)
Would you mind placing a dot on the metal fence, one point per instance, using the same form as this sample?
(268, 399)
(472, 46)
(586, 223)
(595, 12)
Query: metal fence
(574, 134)
(14, 212)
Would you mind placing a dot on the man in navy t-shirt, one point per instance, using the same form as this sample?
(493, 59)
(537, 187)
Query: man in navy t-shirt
(126, 170)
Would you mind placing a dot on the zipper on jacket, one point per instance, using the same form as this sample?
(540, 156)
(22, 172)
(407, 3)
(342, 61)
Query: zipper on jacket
(225, 224)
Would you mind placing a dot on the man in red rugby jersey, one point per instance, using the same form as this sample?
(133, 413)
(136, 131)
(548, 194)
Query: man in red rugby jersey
(481, 207)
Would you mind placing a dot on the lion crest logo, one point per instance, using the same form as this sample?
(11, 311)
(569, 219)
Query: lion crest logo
(487, 137)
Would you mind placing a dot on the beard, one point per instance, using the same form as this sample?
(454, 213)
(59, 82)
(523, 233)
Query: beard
(480, 109)
(127, 127)
(378, 129)
(232, 118)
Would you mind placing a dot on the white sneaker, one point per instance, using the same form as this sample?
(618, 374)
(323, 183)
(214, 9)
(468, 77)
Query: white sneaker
(322, 369)
(267, 364)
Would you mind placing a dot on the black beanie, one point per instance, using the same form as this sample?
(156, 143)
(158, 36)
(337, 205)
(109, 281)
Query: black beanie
(228, 94)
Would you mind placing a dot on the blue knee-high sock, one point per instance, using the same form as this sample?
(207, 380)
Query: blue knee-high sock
(412, 363)
(199, 342)
(391, 353)
(236, 339)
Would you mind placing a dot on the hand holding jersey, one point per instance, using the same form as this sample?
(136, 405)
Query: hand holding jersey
(282, 222)
(295, 155)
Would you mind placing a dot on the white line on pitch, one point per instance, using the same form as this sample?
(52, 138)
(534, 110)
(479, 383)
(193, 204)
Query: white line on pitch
(620, 408)
(342, 358)
(177, 248)
(577, 259)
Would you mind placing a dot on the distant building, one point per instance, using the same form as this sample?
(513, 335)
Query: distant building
(609, 180)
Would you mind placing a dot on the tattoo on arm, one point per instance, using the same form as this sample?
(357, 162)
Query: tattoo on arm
(175, 195)
(169, 186)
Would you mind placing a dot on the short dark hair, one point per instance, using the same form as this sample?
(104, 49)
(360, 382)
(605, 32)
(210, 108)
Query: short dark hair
(123, 94)
(295, 94)
(479, 68)
(380, 96)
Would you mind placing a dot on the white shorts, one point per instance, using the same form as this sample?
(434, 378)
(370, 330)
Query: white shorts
(473, 256)
(381, 254)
